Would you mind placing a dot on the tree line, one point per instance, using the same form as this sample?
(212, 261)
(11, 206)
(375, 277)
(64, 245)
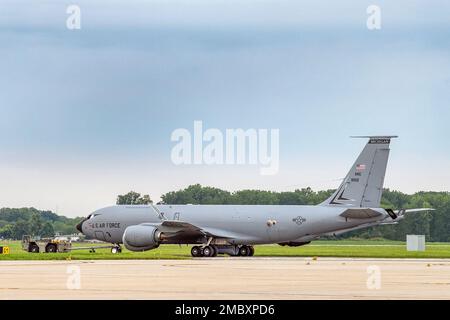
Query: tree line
(15, 223)
(434, 224)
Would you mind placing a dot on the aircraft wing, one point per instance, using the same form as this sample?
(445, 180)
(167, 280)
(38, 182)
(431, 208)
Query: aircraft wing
(181, 230)
(181, 226)
(175, 224)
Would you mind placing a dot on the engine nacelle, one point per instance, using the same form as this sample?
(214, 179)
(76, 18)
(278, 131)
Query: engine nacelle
(294, 244)
(141, 238)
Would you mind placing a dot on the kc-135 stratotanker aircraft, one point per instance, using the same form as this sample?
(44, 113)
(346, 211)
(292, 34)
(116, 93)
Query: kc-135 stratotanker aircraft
(234, 229)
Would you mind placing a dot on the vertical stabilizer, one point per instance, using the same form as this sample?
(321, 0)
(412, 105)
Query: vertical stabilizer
(363, 185)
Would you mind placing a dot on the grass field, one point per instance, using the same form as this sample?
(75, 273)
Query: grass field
(341, 248)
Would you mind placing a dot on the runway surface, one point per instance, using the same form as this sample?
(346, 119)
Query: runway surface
(227, 278)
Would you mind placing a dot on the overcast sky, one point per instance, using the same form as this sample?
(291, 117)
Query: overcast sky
(88, 114)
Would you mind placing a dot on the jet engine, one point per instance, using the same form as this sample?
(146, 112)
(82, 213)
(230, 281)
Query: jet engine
(141, 238)
(294, 244)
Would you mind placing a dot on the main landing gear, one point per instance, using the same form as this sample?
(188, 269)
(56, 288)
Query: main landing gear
(246, 251)
(208, 251)
(213, 251)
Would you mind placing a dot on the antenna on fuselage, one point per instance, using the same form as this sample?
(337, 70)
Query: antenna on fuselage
(159, 213)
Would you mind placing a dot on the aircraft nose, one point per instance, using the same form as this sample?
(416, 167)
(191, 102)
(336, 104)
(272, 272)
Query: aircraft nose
(80, 225)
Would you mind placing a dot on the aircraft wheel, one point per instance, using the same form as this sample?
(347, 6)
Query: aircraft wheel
(208, 251)
(34, 249)
(252, 251)
(244, 251)
(196, 252)
(116, 250)
(215, 251)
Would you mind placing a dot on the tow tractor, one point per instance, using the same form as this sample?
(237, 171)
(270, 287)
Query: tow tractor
(50, 245)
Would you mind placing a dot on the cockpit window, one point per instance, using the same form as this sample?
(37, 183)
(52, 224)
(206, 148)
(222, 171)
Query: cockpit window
(92, 216)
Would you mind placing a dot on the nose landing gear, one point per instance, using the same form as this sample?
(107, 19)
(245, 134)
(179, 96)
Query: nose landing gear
(116, 250)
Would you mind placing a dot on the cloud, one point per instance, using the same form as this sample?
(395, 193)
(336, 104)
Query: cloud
(111, 93)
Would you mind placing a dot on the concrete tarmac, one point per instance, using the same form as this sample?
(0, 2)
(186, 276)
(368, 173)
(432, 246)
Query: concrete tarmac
(227, 278)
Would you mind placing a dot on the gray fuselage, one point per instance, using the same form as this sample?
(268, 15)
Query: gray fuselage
(239, 224)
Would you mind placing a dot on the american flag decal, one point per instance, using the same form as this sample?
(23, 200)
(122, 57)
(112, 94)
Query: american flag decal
(360, 167)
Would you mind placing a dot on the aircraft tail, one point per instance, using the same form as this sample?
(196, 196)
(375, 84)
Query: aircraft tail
(363, 185)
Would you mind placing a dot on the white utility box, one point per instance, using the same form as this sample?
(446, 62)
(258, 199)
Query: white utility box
(415, 242)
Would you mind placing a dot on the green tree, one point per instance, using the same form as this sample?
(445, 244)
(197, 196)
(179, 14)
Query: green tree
(255, 197)
(35, 224)
(20, 228)
(196, 194)
(47, 230)
(133, 198)
(7, 232)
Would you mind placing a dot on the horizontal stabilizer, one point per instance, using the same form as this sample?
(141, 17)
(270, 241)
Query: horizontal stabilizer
(403, 211)
(388, 223)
